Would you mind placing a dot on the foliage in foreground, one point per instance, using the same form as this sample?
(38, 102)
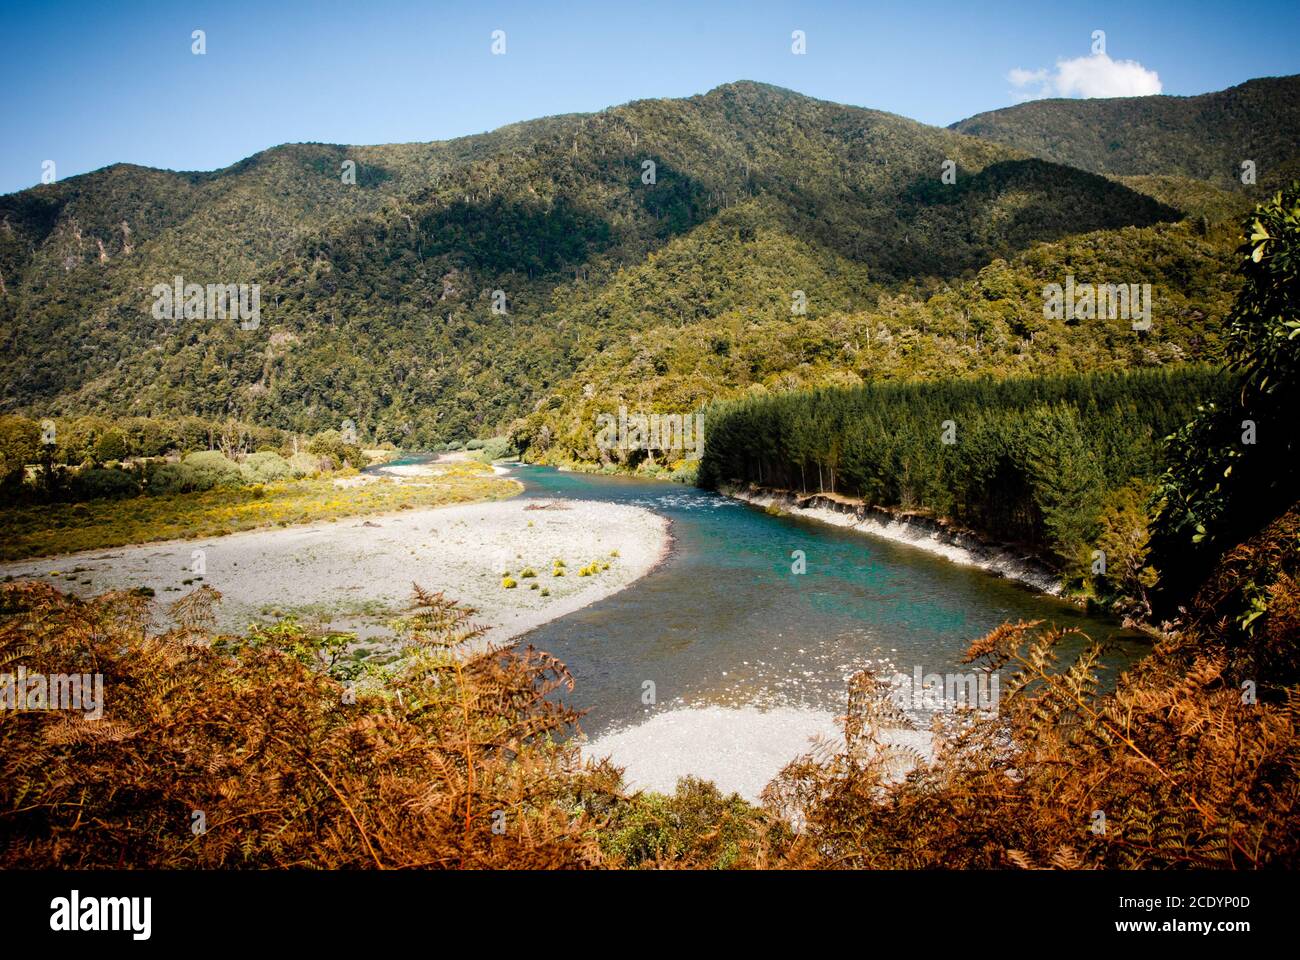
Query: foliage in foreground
(452, 762)
(1236, 466)
(1175, 769)
(1192, 761)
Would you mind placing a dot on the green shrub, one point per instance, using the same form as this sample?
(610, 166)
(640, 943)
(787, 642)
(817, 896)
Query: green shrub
(98, 483)
(179, 478)
(111, 445)
(494, 448)
(211, 459)
(213, 469)
(332, 445)
(266, 467)
(686, 473)
(698, 825)
(1223, 484)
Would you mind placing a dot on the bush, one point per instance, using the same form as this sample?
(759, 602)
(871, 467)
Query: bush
(291, 770)
(1125, 579)
(266, 467)
(304, 464)
(214, 469)
(332, 445)
(1252, 600)
(697, 826)
(495, 448)
(99, 483)
(1187, 773)
(1223, 483)
(178, 478)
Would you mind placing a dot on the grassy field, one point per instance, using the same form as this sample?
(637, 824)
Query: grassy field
(46, 529)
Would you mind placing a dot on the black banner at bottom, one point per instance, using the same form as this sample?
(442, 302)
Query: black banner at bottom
(334, 910)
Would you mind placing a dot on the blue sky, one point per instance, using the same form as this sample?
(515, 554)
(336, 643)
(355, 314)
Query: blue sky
(93, 83)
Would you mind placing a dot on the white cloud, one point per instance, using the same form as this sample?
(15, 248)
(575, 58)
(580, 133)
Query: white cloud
(1023, 78)
(1094, 76)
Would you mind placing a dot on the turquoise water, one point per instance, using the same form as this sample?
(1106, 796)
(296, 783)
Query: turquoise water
(725, 621)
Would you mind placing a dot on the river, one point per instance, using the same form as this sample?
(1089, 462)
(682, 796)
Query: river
(726, 622)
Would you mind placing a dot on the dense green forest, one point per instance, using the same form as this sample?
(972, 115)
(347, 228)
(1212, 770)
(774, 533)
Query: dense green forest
(705, 330)
(1030, 460)
(377, 297)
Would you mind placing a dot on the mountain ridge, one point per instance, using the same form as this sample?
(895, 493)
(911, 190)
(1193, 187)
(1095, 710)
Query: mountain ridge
(1161, 134)
(378, 296)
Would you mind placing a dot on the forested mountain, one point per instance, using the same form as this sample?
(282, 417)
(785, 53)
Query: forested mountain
(992, 324)
(653, 249)
(377, 297)
(1206, 137)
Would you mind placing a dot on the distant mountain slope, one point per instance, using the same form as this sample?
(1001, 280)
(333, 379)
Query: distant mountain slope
(1191, 197)
(242, 216)
(992, 324)
(377, 298)
(1205, 137)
